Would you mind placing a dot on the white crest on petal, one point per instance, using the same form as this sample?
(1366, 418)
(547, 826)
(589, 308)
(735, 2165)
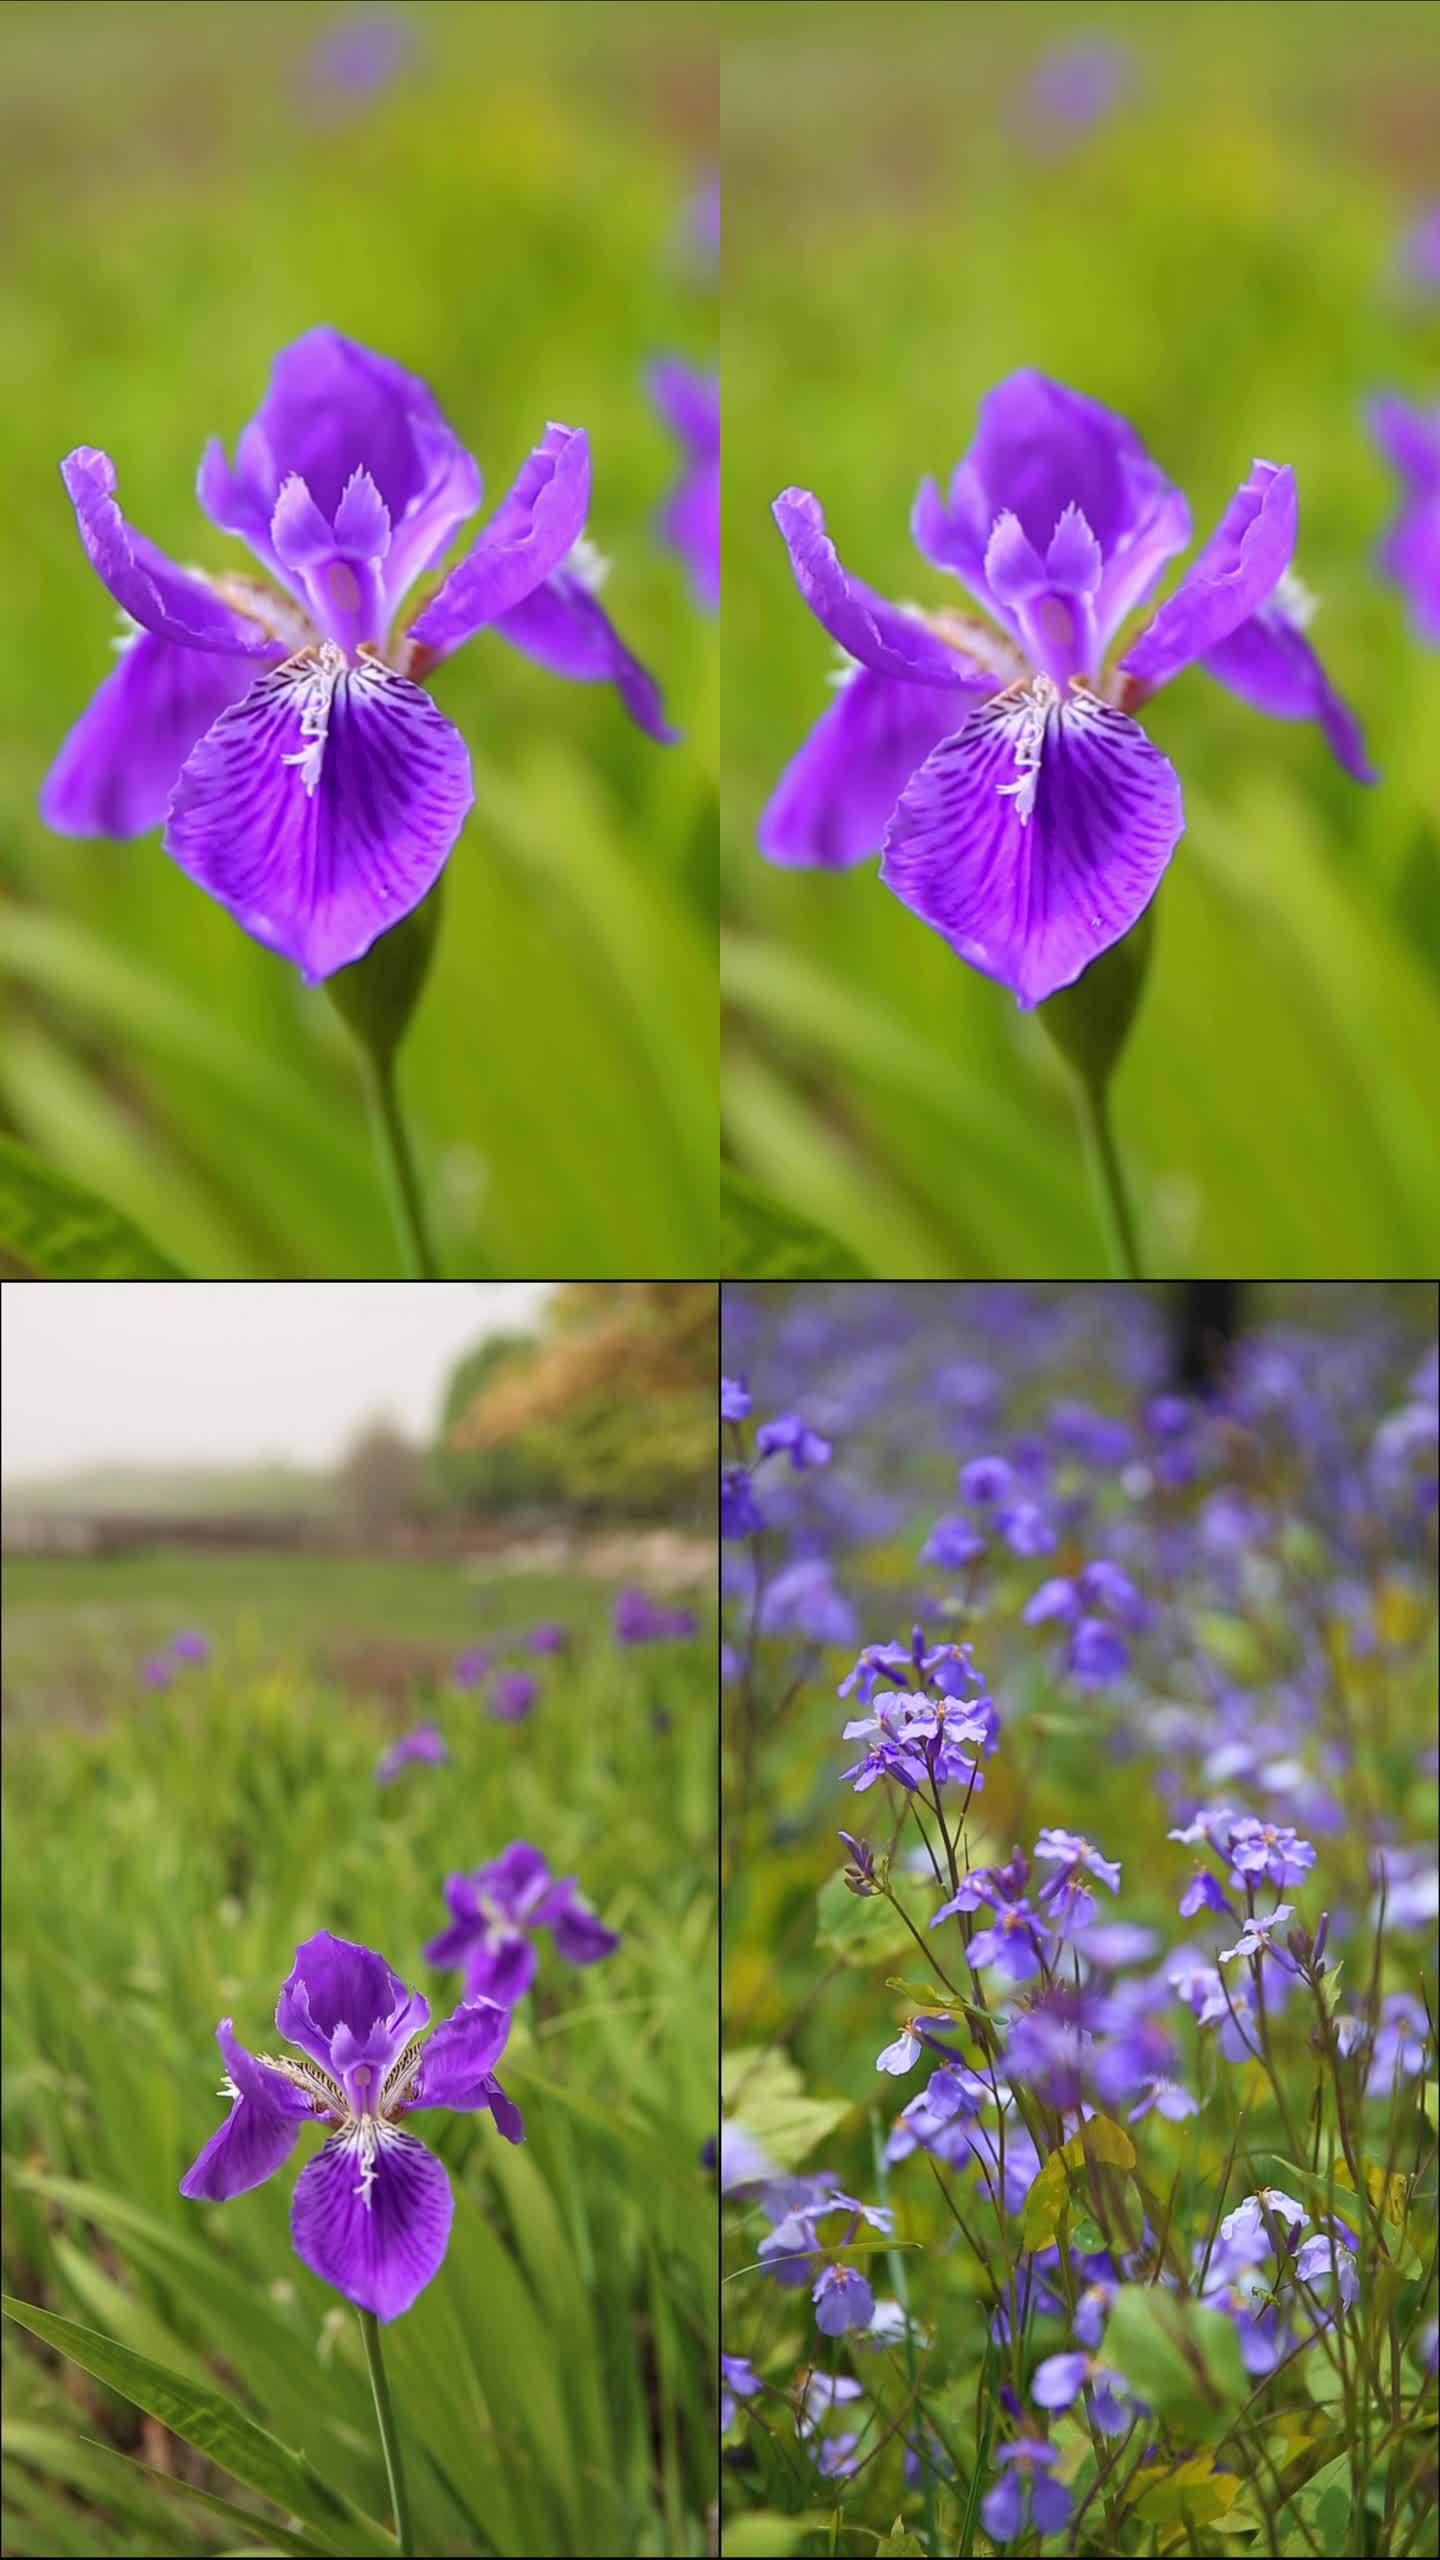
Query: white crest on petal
(1290, 600)
(1037, 703)
(588, 564)
(315, 701)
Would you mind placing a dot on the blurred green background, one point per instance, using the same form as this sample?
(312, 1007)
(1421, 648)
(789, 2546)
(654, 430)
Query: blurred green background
(505, 216)
(1215, 260)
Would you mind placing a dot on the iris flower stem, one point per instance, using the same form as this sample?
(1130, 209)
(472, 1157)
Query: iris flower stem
(1116, 1215)
(385, 2420)
(392, 1145)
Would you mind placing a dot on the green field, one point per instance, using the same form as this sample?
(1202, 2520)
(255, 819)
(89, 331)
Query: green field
(1215, 262)
(502, 219)
(165, 1852)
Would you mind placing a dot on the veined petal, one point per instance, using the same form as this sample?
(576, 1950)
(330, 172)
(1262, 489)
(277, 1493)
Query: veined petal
(456, 2063)
(529, 535)
(115, 772)
(1034, 837)
(1240, 565)
(154, 592)
(371, 2214)
(1270, 663)
(564, 627)
(321, 808)
(834, 798)
(258, 2134)
(334, 1982)
(879, 635)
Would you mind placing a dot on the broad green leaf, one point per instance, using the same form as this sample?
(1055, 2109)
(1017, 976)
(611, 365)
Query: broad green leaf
(58, 1230)
(1046, 2205)
(1193, 2492)
(276, 2537)
(767, 2095)
(1181, 2358)
(767, 2535)
(760, 1239)
(1099, 2139)
(209, 2422)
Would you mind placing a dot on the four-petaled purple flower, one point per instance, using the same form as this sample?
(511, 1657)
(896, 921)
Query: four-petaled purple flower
(1013, 1940)
(498, 1907)
(843, 2300)
(1409, 437)
(1025, 2491)
(371, 2212)
(305, 778)
(423, 1742)
(689, 403)
(788, 1432)
(1024, 813)
(1268, 1852)
(1071, 1902)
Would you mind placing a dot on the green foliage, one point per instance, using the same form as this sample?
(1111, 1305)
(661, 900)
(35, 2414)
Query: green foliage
(507, 1472)
(1189, 263)
(551, 2384)
(760, 1239)
(502, 219)
(1180, 2358)
(54, 1229)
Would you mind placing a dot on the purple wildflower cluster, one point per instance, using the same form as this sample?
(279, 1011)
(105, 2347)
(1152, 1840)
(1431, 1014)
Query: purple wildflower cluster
(1119, 1825)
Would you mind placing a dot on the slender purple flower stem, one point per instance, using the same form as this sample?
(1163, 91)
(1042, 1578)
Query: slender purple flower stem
(389, 2441)
(392, 1145)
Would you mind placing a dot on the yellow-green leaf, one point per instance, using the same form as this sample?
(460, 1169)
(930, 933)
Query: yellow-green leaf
(1046, 2204)
(1101, 2140)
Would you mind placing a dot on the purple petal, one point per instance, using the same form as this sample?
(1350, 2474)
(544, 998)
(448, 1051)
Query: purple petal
(1033, 899)
(332, 1983)
(1002, 2507)
(457, 2063)
(833, 801)
(1039, 449)
(453, 1945)
(878, 634)
(1410, 555)
(154, 592)
(508, 2119)
(377, 2238)
(318, 843)
(258, 2134)
(1240, 565)
(1049, 2504)
(565, 628)
(580, 1937)
(689, 402)
(690, 523)
(116, 771)
(1409, 436)
(531, 532)
(334, 407)
(1270, 663)
(500, 1966)
(1057, 2379)
(517, 1878)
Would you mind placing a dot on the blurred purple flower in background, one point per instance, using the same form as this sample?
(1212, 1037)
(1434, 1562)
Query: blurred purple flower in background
(425, 1742)
(355, 58)
(471, 1666)
(640, 1620)
(689, 403)
(512, 1695)
(1409, 437)
(1417, 257)
(496, 1910)
(1073, 88)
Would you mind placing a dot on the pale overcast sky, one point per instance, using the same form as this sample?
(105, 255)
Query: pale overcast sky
(218, 1372)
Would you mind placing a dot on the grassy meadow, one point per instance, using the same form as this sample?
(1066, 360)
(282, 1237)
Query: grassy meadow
(166, 1850)
(1214, 259)
(184, 194)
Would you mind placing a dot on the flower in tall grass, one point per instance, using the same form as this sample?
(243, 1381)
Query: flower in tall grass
(1024, 813)
(689, 403)
(1026, 2493)
(495, 1912)
(471, 1666)
(640, 1620)
(513, 1695)
(280, 729)
(371, 2212)
(1409, 437)
(423, 1742)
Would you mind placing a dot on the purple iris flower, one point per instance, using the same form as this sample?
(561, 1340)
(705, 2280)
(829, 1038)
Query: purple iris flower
(280, 730)
(802, 1446)
(641, 1620)
(355, 60)
(471, 1666)
(157, 1671)
(689, 403)
(1072, 88)
(371, 2211)
(496, 1910)
(513, 1696)
(1025, 2491)
(1409, 437)
(1024, 813)
(190, 1646)
(426, 1742)
(549, 1637)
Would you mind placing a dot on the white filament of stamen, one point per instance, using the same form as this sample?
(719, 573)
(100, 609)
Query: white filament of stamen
(315, 704)
(1040, 701)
